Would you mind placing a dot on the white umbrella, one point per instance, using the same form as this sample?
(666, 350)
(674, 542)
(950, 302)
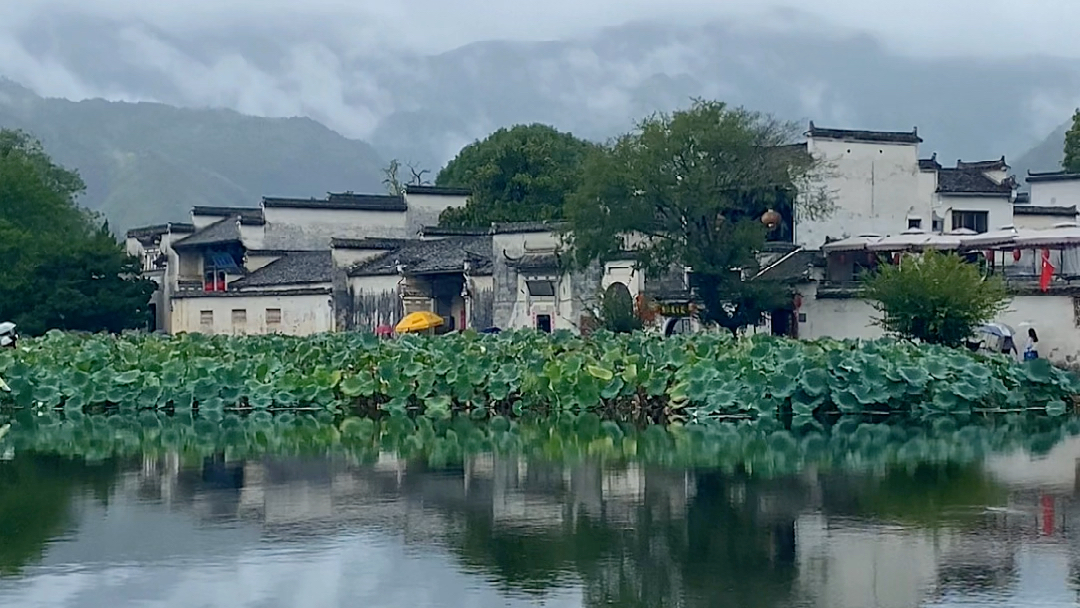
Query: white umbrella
(998, 329)
(852, 243)
(1006, 235)
(914, 239)
(1061, 235)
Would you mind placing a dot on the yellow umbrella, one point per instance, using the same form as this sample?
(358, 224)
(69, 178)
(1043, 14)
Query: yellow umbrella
(419, 321)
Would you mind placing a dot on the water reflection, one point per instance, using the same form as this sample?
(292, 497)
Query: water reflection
(499, 529)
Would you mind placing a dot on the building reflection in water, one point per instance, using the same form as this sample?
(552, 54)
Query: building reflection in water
(642, 536)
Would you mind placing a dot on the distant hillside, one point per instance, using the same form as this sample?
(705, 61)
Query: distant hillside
(146, 163)
(1045, 156)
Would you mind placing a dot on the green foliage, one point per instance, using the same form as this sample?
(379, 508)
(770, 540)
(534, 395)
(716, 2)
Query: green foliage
(57, 269)
(519, 174)
(515, 373)
(764, 447)
(1071, 162)
(617, 310)
(936, 298)
(694, 186)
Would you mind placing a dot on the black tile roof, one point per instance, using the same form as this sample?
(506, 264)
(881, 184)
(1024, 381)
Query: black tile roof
(431, 256)
(894, 137)
(525, 227)
(453, 231)
(342, 200)
(377, 243)
(223, 231)
(1069, 211)
(537, 261)
(984, 165)
(793, 268)
(275, 293)
(160, 229)
(293, 269)
(248, 215)
(1034, 177)
(438, 190)
(929, 164)
(961, 181)
(1022, 198)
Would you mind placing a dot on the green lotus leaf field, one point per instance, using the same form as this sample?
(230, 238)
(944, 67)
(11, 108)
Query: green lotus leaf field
(689, 378)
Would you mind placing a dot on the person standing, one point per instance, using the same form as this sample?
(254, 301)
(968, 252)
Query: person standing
(1031, 349)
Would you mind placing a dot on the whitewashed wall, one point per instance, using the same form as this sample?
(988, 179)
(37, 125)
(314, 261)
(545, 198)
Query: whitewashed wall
(311, 229)
(625, 273)
(424, 209)
(1056, 194)
(875, 187)
(255, 261)
(513, 307)
(999, 209)
(835, 317)
(301, 315)
(1039, 222)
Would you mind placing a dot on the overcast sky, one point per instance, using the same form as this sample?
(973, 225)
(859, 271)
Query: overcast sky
(998, 27)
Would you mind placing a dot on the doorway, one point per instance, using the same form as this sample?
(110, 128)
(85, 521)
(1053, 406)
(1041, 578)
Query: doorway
(784, 323)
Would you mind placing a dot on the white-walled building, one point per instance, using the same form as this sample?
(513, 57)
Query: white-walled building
(270, 268)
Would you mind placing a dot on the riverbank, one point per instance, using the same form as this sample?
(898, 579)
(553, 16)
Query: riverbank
(635, 377)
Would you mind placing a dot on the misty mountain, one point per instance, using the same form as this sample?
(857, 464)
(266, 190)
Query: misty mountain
(426, 107)
(153, 162)
(145, 163)
(1045, 156)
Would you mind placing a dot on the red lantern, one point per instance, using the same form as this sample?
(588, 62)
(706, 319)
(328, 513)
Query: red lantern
(1016, 255)
(770, 218)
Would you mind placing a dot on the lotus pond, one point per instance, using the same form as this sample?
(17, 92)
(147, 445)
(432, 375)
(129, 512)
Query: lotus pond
(682, 378)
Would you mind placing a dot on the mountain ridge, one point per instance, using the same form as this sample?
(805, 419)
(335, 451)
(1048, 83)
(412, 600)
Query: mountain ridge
(150, 162)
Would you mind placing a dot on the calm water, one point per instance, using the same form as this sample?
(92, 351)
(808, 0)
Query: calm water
(513, 531)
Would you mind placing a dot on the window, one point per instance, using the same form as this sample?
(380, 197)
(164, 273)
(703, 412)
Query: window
(273, 319)
(541, 288)
(972, 220)
(914, 223)
(543, 323)
(206, 320)
(938, 225)
(239, 321)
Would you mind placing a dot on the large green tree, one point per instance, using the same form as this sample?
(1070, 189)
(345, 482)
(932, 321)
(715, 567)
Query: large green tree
(59, 267)
(691, 189)
(1071, 163)
(523, 173)
(935, 298)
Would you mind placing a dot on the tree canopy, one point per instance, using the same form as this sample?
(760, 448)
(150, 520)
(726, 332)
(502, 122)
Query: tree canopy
(60, 268)
(936, 298)
(523, 173)
(691, 189)
(1071, 163)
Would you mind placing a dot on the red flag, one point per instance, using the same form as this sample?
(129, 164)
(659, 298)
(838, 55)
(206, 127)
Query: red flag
(1047, 271)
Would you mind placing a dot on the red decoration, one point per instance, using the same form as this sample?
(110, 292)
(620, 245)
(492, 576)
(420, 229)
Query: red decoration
(896, 258)
(1047, 271)
(1016, 255)
(797, 301)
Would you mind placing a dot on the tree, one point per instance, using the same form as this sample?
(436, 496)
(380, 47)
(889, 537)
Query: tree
(391, 180)
(617, 310)
(59, 266)
(1071, 163)
(690, 189)
(519, 174)
(935, 298)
